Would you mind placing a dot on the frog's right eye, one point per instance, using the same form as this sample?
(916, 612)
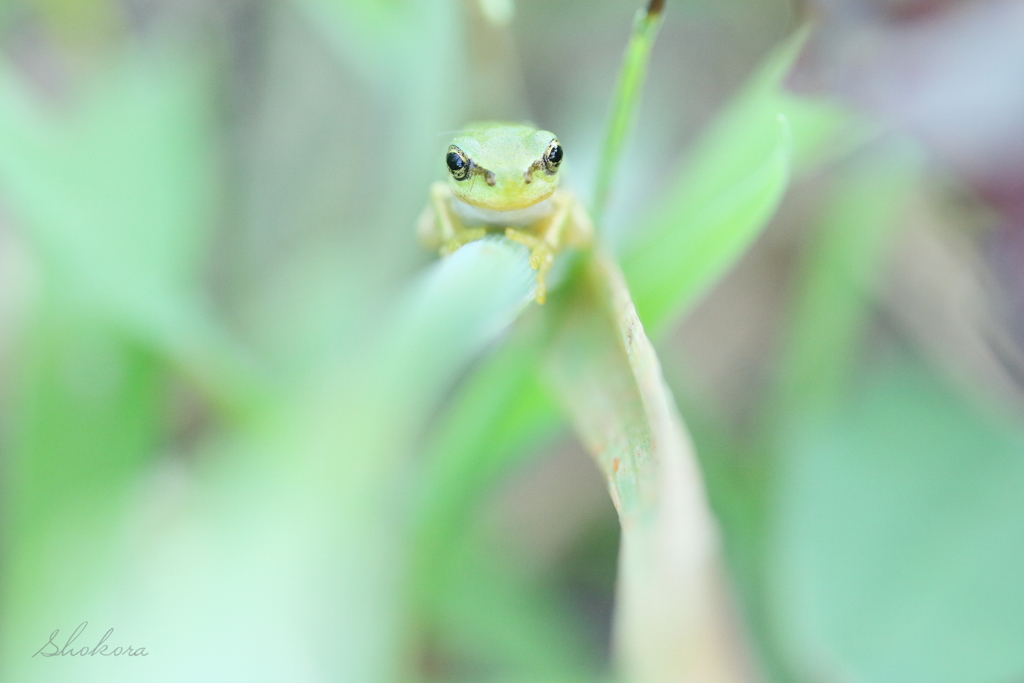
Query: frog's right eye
(458, 163)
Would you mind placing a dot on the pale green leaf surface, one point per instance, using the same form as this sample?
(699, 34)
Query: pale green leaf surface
(898, 549)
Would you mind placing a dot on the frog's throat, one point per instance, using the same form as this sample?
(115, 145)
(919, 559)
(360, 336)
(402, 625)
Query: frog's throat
(474, 215)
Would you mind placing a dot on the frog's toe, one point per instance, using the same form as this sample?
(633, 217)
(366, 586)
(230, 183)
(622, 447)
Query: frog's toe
(541, 255)
(541, 259)
(540, 294)
(462, 238)
(524, 238)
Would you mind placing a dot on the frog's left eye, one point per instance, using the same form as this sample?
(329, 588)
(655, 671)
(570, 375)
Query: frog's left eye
(552, 156)
(458, 163)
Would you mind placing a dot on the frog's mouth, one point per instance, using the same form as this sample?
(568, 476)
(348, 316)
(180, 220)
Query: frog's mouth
(504, 191)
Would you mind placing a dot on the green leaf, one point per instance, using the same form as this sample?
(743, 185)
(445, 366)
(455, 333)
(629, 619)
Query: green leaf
(714, 214)
(729, 188)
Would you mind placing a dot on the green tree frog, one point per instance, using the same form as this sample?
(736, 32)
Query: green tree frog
(503, 177)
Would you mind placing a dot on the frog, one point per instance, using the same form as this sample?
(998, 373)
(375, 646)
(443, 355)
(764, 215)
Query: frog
(503, 178)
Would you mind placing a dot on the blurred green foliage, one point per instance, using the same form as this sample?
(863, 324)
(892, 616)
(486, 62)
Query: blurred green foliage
(240, 428)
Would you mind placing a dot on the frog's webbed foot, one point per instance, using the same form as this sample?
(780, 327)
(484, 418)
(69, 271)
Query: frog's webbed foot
(542, 256)
(461, 237)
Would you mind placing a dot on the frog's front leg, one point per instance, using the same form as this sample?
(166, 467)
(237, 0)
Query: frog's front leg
(439, 227)
(568, 225)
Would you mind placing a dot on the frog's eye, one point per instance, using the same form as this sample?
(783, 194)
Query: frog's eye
(553, 156)
(458, 163)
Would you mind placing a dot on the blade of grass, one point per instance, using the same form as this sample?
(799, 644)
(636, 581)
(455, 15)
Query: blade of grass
(626, 100)
(340, 462)
(674, 621)
(450, 314)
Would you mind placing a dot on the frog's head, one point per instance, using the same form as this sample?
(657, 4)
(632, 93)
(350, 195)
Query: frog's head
(503, 167)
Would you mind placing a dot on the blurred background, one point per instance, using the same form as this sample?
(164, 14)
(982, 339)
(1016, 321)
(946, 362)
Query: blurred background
(206, 237)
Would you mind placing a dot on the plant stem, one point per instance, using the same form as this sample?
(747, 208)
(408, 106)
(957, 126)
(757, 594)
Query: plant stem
(626, 99)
